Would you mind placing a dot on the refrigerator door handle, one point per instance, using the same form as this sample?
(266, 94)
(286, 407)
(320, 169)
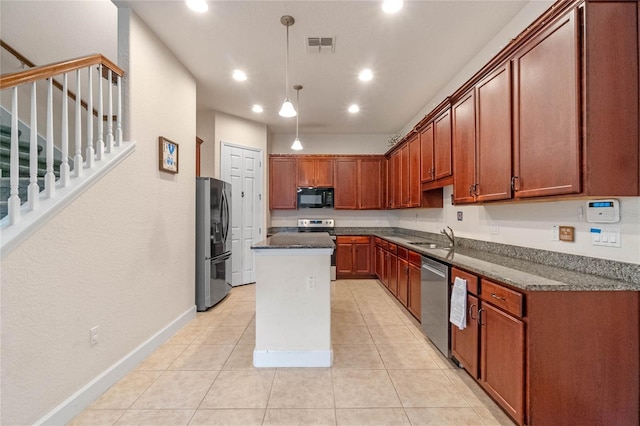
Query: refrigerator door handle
(224, 217)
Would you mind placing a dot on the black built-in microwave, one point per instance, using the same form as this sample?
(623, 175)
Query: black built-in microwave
(315, 197)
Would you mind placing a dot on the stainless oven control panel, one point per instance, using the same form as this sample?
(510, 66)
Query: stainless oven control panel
(316, 223)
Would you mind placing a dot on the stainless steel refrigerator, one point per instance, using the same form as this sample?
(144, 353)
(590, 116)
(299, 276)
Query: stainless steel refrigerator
(213, 241)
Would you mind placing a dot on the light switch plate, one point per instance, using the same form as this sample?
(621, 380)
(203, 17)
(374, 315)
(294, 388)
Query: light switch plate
(607, 236)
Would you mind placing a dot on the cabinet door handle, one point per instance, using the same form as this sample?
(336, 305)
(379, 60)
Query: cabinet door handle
(495, 296)
(513, 183)
(480, 317)
(471, 190)
(470, 313)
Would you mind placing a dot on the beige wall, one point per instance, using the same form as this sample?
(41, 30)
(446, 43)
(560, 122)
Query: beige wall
(206, 121)
(330, 143)
(121, 256)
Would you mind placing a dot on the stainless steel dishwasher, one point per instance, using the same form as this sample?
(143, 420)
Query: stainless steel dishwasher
(435, 303)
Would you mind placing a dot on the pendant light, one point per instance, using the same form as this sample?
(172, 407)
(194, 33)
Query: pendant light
(297, 146)
(287, 109)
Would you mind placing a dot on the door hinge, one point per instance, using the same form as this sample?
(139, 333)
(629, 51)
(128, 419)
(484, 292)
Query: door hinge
(259, 197)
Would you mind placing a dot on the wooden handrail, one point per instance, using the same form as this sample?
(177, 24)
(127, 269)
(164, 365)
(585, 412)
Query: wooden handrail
(48, 71)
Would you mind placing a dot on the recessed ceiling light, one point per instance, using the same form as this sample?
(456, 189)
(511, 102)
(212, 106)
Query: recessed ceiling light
(391, 6)
(354, 108)
(256, 108)
(239, 75)
(365, 75)
(199, 6)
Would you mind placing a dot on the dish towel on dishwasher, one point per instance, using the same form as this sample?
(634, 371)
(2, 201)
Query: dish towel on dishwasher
(458, 312)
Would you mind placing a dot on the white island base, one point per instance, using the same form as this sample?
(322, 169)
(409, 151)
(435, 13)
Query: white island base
(293, 307)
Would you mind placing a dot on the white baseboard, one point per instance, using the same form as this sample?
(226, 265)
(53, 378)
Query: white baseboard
(80, 400)
(262, 358)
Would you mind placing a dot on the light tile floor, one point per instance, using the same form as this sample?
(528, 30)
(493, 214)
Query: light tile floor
(384, 373)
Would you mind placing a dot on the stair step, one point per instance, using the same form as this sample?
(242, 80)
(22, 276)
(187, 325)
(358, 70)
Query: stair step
(6, 130)
(5, 140)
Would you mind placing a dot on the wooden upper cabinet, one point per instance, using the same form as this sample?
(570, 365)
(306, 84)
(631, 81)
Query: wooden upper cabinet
(482, 140)
(427, 172)
(493, 136)
(442, 146)
(405, 188)
(346, 191)
(282, 183)
(414, 171)
(464, 148)
(395, 174)
(547, 112)
(315, 172)
(404, 174)
(371, 194)
(359, 183)
(436, 161)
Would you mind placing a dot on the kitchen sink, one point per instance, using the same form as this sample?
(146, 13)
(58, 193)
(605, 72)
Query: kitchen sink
(431, 245)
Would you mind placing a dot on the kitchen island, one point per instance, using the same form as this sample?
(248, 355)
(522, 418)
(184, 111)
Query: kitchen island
(293, 300)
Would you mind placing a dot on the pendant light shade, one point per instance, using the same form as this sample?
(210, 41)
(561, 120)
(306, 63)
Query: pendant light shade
(287, 109)
(297, 145)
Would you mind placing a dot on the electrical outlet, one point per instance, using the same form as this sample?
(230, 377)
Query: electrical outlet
(555, 233)
(494, 229)
(311, 283)
(93, 335)
(459, 215)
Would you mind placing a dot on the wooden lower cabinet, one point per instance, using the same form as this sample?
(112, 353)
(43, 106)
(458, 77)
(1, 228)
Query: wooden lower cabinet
(391, 265)
(465, 343)
(399, 270)
(502, 354)
(414, 304)
(353, 256)
(403, 281)
(553, 357)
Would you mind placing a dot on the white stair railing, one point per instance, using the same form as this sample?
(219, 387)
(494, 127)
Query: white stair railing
(98, 158)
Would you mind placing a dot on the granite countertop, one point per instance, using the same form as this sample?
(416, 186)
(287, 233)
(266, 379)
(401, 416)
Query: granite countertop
(522, 268)
(518, 273)
(296, 240)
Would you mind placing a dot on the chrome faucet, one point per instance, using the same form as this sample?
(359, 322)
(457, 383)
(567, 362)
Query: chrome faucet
(450, 236)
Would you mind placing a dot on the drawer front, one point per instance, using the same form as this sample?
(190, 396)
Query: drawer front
(472, 280)
(378, 241)
(403, 253)
(502, 297)
(353, 239)
(415, 258)
(393, 248)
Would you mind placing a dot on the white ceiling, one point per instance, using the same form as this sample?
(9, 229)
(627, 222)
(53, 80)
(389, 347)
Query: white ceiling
(413, 54)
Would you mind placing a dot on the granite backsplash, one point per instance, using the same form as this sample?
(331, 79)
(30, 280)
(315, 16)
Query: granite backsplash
(612, 269)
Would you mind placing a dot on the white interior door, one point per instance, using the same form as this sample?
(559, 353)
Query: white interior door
(242, 167)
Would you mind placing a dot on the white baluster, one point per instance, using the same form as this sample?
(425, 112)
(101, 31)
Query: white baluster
(49, 177)
(77, 159)
(119, 112)
(109, 113)
(90, 151)
(100, 145)
(34, 188)
(13, 205)
(64, 165)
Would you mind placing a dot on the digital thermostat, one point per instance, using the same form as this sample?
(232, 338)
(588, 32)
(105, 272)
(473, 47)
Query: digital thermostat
(603, 211)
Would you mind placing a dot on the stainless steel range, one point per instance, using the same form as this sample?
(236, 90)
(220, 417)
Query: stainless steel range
(321, 225)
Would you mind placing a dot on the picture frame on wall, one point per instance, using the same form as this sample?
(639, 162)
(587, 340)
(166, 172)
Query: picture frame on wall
(168, 153)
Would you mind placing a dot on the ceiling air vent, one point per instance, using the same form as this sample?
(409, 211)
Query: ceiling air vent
(321, 44)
